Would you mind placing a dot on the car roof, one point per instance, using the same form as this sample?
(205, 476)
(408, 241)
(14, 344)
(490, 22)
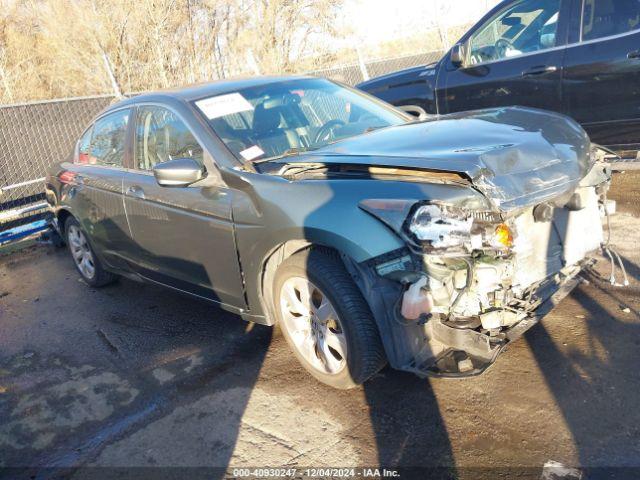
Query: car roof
(202, 90)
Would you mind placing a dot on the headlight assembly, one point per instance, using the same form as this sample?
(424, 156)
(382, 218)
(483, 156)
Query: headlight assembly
(439, 226)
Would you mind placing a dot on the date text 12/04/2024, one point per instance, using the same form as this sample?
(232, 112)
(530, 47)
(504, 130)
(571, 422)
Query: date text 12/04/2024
(315, 472)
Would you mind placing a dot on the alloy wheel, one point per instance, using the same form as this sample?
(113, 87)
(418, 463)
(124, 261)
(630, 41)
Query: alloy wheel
(313, 325)
(81, 252)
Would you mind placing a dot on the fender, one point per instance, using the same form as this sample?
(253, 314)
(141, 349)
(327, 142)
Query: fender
(354, 233)
(412, 86)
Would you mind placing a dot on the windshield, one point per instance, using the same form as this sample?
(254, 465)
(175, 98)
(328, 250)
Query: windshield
(269, 121)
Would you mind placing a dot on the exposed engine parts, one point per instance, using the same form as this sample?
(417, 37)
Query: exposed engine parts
(476, 285)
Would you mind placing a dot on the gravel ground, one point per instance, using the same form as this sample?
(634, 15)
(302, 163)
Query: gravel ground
(135, 375)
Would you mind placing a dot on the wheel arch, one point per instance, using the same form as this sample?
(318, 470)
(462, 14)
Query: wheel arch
(275, 258)
(340, 241)
(62, 215)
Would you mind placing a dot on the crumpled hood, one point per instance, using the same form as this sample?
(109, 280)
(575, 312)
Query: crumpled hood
(516, 156)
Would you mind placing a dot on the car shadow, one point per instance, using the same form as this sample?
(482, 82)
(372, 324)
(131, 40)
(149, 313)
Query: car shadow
(592, 375)
(418, 446)
(196, 357)
(594, 381)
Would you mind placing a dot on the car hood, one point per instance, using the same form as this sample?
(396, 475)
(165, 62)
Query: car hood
(418, 73)
(516, 156)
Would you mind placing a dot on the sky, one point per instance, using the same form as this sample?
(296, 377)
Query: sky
(376, 20)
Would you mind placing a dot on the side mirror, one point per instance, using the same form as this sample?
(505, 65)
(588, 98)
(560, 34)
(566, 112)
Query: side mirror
(511, 21)
(415, 111)
(457, 55)
(179, 172)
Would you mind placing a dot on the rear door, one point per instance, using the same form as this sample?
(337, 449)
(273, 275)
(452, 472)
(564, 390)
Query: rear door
(184, 236)
(602, 72)
(96, 192)
(514, 57)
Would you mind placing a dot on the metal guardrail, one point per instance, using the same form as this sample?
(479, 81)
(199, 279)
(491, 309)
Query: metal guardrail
(23, 232)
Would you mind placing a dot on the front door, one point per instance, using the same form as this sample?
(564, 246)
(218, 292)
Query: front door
(514, 58)
(184, 236)
(602, 73)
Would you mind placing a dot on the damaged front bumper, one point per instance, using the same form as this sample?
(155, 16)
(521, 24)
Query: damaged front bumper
(452, 351)
(444, 345)
(469, 284)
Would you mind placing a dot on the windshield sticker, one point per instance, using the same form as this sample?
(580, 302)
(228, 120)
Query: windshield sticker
(222, 105)
(251, 152)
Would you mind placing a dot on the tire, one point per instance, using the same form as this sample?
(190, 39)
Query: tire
(359, 353)
(84, 257)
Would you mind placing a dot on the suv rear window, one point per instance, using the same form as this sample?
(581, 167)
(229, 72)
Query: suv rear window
(604, 18)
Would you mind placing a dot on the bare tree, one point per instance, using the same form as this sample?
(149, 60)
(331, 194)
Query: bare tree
(441, 10)
(61, 48)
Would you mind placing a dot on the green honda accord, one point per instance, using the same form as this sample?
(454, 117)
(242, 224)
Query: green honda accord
(367, 235)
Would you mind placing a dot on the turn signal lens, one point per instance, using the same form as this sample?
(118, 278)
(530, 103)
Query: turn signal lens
(504, 236)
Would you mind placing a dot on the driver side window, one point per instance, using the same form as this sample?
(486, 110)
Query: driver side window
(522, 27)
(161, 136)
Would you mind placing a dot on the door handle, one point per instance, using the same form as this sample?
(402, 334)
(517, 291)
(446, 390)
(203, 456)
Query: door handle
(135, 191)
(635, 55)
(541, 70)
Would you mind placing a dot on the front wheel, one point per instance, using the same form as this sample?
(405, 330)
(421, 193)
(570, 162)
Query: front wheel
(85, 259)
(326, 321)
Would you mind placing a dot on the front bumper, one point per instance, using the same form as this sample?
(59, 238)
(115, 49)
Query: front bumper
(432, 345)
(450, 311)
(458, 352)
(451, 314)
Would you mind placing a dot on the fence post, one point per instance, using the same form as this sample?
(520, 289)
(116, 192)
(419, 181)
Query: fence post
(112, 77)
(363, 66)
(253, 64)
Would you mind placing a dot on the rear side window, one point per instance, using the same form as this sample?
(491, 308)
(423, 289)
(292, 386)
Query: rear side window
(604, 18)
(84, 148)
(108, 141)
(161, 136)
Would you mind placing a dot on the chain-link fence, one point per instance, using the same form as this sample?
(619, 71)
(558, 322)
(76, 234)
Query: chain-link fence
(356, 73)
(34, 136)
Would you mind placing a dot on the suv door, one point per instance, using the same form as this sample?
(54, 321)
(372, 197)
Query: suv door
(513, 57)
(96, 194)
(602, 72)
(184, 235)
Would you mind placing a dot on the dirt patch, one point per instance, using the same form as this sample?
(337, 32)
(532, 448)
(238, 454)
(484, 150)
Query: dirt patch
(625, 190)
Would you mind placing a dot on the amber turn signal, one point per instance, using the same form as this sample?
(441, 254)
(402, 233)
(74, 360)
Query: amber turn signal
(504, 236)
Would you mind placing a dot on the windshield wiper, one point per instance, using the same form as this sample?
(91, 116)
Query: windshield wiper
(289, 153)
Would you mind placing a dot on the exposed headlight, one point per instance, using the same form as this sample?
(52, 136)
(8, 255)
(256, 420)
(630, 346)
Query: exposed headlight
(441, 227)
(445, 226)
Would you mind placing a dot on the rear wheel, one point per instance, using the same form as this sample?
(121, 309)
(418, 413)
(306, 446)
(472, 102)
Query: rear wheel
(326, 321)
(84, 257)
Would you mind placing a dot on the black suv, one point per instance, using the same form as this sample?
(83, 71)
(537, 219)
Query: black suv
(578, 57)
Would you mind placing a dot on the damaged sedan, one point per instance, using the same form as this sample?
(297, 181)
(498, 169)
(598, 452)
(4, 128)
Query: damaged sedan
(367, 236)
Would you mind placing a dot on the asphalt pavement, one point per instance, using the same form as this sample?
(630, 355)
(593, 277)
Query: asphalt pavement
(133, 375)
